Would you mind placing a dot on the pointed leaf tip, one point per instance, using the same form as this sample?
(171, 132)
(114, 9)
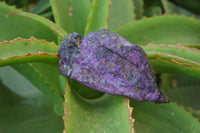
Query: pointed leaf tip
(109, 63)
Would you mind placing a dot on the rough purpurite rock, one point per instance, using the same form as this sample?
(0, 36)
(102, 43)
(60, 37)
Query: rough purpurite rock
(107, 62)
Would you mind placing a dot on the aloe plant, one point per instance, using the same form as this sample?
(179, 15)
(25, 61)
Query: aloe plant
(35, 97)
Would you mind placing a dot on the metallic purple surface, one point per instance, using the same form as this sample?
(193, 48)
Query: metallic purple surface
(109, 63)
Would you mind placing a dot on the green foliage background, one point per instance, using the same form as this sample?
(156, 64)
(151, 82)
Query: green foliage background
(34, 97)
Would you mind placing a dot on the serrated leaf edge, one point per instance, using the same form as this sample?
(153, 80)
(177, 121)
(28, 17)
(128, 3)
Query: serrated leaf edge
(108, 14)
(130, 111)
(39, 54)
(65, 109)
(176, 62)
(173, 46)
(32, 38)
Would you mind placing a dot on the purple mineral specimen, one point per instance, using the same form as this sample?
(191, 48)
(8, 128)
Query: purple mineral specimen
(107, 62)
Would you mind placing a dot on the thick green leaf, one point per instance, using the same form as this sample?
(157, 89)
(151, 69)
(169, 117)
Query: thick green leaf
(98, 16)
(12, 27)
(170, 66)
(179, 93)
(71, 15)
(165, 118)
(41, 48)
(25, 27)
(20, 26)
(52, 26)
(108, 113)
(24, 109)
(27, 50)
(34, 50)
(179, 50)
(163, 30)
(171, 8)
(139, 5)
(47, 58)
(174, 59)
(118, 16)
